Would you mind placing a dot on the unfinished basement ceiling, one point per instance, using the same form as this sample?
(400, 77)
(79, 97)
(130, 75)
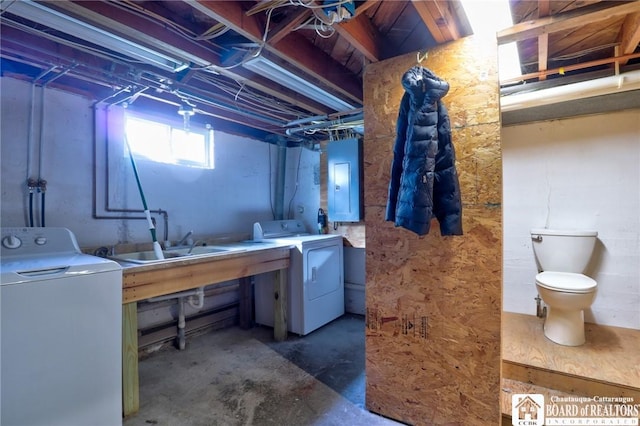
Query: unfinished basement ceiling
(203, 53)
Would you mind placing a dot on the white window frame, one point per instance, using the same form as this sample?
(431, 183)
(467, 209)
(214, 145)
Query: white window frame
(165, 152)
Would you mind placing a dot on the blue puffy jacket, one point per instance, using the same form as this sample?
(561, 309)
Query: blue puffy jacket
(424, 181)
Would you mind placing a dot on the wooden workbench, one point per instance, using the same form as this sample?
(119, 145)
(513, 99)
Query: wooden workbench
(141, 282)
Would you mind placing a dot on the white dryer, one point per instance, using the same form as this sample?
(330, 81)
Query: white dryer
(315, 284)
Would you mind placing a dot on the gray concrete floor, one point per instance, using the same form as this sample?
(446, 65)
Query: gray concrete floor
(243, 377)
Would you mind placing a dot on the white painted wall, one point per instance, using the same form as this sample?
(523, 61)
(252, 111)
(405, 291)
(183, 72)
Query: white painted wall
(225, 200)
(576, 173)
(302, 191)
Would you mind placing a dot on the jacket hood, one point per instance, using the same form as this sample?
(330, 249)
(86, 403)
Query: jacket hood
(419, 80)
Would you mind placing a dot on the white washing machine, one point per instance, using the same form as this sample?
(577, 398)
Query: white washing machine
(61, 322)
(315, 284)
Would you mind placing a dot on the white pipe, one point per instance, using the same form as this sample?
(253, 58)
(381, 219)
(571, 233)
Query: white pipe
(181, 316)
(200, 294)
(570, 92)
(195, 292)
(181, 324)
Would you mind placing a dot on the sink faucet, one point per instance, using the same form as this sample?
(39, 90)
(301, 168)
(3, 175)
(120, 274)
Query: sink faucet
(195, 243)
(183, 241)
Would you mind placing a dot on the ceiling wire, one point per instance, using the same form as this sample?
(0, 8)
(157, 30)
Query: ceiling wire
(254, 101)
(113, 56)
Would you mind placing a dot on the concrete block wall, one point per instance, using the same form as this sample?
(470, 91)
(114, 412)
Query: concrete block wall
(582, 173)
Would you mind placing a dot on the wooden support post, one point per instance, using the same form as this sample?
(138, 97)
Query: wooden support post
(130, 380)
(280, 306)
(246, 302)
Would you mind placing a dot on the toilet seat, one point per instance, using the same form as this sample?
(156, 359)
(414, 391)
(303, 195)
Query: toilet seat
(566, 281)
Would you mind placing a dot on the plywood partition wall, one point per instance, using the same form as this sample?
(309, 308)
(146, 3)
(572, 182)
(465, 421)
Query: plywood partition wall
(434, 303)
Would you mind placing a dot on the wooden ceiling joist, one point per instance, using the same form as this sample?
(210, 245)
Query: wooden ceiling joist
(363, 36)
(292, 48)
(630, 35)
(431, 21)
(284, 28)
(569, 68)
(543, 39)
(567, 20)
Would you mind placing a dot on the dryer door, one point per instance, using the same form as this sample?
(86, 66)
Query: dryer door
(323, 272)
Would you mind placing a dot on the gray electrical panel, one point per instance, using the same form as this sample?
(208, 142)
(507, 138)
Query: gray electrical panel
(344, 192)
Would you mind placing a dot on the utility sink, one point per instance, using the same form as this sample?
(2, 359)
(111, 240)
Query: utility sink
(195, 251)
(172, 253)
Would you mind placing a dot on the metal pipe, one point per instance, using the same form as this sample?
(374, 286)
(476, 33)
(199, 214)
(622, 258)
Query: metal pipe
(182, 321)
(541, 311)
(280, 179)
(327, 124)
(108, 208)
(181, 324)
(306, 120)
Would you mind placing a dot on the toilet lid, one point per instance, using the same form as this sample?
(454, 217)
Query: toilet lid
(566, 281)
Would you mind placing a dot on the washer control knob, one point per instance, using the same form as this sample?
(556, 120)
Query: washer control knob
(11, 242)
(40, 241)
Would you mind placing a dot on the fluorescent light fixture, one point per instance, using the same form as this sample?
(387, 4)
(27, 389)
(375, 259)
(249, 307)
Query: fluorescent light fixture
(487, 18)
(286, 78)
(41, 14)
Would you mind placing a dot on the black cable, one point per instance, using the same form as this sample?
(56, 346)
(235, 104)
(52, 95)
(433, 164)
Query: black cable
(42, 211)
(31, 208)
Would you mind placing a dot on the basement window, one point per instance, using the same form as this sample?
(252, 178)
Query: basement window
(165, 143)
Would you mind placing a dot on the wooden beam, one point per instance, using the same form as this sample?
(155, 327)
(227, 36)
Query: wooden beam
(138, 29)
(443, 18)
(429, 20)
(284, 28)
(567, 20)
(130, 377)
(293, 48)
(571, 68)
(543, 39)
(363, 36)
(630, 35)
(366, 5)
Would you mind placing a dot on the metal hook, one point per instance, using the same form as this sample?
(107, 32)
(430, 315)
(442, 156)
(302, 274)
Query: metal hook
(422, 58)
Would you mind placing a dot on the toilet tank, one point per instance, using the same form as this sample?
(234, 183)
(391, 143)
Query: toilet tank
(559, 250)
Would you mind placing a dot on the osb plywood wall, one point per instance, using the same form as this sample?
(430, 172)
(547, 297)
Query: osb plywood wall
(434, 303)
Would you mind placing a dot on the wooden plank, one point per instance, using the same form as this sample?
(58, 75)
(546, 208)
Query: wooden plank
(280, 306)
(430, 21)
(630, 35)
(439, 19)
(565, 21)
(293, 48)
(433, 320)
(140, 283)
(137, 275)
(543, 39)
(363, 36)
(245, 307)
(575, 67)
(169, 281)
(574, 384)
(285, 27)
(130, 380)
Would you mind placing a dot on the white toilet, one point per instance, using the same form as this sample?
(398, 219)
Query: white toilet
(562, 256)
